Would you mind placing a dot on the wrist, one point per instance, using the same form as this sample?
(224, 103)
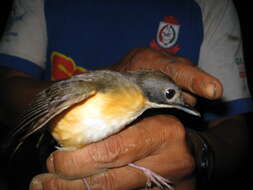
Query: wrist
(203, 156)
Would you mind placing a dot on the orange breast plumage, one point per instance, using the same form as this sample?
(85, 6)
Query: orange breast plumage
(97, 117)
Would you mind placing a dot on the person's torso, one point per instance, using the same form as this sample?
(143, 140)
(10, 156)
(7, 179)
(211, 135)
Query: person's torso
(93, 34)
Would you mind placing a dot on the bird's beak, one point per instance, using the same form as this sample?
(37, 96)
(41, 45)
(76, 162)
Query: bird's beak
(186, 109)
(179, 105)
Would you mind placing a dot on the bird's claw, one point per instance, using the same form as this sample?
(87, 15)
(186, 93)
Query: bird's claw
(152, 177)
(158, 180)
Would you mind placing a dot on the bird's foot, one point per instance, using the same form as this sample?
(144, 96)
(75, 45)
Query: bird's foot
(158, 180)
(86, 184)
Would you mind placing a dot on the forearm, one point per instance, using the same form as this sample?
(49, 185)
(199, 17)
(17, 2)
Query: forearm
(228, 139)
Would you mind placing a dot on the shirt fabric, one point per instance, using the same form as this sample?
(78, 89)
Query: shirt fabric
(56, 39)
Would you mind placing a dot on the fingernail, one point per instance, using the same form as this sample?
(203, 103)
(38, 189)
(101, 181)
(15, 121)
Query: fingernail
(36, 185)
(211, 90)
(50, 163)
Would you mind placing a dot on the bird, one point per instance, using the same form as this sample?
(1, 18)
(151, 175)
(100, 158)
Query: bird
(91, 106)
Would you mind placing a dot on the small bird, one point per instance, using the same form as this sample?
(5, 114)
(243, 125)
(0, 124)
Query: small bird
(91, 106)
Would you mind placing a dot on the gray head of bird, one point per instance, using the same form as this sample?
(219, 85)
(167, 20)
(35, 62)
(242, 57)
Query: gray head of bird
(162, 92)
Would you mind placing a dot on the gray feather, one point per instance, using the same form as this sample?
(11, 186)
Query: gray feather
(51, 102)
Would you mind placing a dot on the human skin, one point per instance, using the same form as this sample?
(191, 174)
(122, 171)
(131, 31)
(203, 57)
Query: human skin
(104, 164)
(162, 148)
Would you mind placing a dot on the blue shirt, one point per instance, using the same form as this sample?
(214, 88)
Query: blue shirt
(92, 34)
(99, 33)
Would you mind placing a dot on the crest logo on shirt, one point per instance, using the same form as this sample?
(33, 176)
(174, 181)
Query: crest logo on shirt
(167, 35)
(63, 67)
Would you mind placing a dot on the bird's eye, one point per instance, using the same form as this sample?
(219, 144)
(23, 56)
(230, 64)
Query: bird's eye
(170, 93)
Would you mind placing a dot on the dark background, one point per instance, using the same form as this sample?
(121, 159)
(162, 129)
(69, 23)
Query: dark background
(243, 8)
(243, 179)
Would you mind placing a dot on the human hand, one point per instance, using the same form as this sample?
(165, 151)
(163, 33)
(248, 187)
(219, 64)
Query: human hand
(180, 69)
(156, 142)
(80, 163)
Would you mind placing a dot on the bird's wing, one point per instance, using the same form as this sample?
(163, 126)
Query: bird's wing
(51, 102)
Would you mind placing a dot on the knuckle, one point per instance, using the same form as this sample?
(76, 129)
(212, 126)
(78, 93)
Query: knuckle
(103, 181)
(179, 130)
(109, 181)
(139, 57)
(146, 57)
(64, 166)
(165, 119)
(189, 99)
(144, 145)
(170, 126)
(143, 51)
(184, 60)
(185, 165)
(58, 162)
(52, 184)
(106, 151)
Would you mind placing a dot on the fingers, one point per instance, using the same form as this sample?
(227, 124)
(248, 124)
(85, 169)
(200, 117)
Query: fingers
(97, 157)
(54, 182)
(178, 68)
(132, 177)
(163, 141)
(189, 99)
(194, 79)
(111, 179)
(117, 150)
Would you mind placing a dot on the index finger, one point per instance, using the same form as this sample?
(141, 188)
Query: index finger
(184, 73)
(193, 79)
(180, 69)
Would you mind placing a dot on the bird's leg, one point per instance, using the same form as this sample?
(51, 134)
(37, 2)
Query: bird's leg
(86, 184)
(152, 177)
(158, 180)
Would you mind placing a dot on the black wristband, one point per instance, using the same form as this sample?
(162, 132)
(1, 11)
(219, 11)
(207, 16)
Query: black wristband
(203, 155)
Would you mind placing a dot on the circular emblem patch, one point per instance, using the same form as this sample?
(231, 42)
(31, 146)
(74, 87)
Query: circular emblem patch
(168, 31)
